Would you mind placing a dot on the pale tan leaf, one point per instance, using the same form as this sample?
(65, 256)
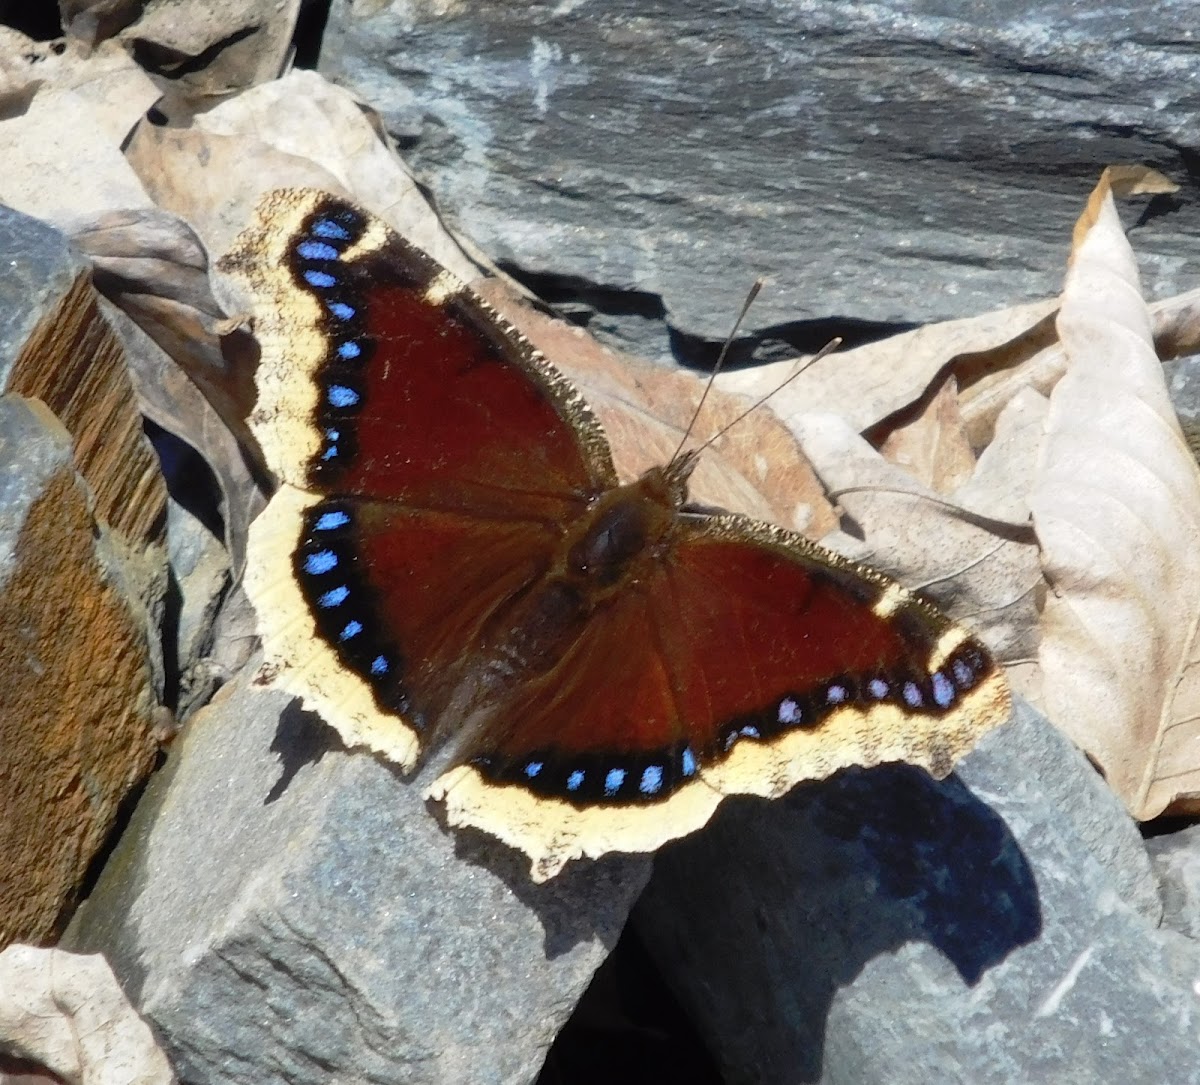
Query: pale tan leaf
(1176, 324)
(67, 1012)
(870, 383)
(933, 446)
(297, 131)
(999, 488)
(1117, 509)
(71, 131)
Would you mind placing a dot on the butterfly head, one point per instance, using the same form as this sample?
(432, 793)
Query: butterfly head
(674, 476)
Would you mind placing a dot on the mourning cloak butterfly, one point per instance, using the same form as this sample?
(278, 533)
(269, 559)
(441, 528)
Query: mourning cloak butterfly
(451, 569)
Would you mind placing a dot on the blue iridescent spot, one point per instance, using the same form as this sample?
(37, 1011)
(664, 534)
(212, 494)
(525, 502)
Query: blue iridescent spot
(379, 665)
(750, 731)
(341, 396)
(912, 695)
(329, 453)
(316, 250)
(350, 630)
(575, 780)
(319, 279)
(836, 694)
(652, 778)
(789, 711)
(334, 434)
(341, 310)
(964, 673)
(879, 688)
(348, 350)
(331, 229)
(613, 779)
(943, 689)
(533, 768)
(320, 563)
(331, 521)
(688, 761)
(335, 597)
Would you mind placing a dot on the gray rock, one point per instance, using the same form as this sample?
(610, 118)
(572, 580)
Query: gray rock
(286, 912)
(39, 269)
(34, 448)
(899, 161)
(200, 582)
(997, 927)
(1176, 859)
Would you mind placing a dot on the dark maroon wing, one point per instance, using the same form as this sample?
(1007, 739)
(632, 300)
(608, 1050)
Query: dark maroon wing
(383, 376)
(749, 661)
(413, 429)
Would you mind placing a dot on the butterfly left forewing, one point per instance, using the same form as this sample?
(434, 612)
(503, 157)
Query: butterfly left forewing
(384, 383)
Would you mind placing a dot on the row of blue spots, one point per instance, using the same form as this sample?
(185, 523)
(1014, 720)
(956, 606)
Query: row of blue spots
(650, 783)
(321, 562)
(335, 597)
(613, 779)
(964, 673)
(331, 521)
(320, 279)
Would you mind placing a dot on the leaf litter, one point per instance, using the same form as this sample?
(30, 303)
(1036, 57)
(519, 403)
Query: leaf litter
(1035, 443)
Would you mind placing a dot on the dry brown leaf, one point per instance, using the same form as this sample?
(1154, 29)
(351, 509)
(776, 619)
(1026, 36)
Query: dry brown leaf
(1117, 511)
(68, 1013)
(933, 446)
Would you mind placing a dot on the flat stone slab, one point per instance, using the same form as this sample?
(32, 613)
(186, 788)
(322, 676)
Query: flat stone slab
(284, 911)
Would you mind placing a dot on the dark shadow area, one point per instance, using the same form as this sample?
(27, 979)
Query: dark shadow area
(580, 300)
(170, 64)
(779, 342)
(628, 1028)
(574, 907)
(37, 19)
(1162, 205)
(190, 481)
(758, 922)
(949, 871)
(310, 32)
(302, 738)
(121, 820)
(1167, 826)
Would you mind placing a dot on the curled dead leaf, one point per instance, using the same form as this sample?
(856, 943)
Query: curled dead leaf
(1116, 506)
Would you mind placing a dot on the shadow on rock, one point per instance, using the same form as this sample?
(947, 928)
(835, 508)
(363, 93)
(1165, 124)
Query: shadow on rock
(760, 920)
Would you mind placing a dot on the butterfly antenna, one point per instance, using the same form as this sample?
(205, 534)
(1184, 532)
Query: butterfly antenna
(750, 296)
(828, 348)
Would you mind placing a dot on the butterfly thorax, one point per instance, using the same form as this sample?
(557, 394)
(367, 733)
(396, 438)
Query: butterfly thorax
(603, 556)
(624, 529)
